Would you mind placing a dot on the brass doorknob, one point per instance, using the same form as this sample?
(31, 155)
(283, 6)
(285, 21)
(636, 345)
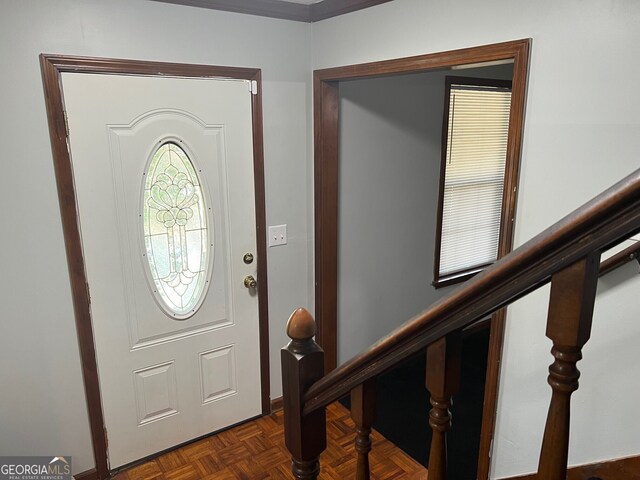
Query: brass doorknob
(250, 282)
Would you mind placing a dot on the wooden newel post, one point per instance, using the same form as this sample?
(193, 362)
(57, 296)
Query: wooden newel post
(302, 365)
(573, 292)
(444, 357)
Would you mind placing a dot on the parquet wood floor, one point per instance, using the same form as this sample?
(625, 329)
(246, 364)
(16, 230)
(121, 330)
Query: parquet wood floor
(256, 451)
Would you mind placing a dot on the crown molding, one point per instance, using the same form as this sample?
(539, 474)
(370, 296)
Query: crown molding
(282, 9)
(333, 8)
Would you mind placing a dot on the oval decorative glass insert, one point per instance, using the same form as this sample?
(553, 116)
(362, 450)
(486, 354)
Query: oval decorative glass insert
(176, 234)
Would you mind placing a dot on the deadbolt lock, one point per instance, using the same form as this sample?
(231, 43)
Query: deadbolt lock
(250, 282)
(248, 258)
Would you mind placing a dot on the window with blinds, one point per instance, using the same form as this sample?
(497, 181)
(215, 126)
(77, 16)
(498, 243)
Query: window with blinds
(475, 131)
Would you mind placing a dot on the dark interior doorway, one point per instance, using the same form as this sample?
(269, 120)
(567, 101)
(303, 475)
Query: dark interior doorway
(326, 180)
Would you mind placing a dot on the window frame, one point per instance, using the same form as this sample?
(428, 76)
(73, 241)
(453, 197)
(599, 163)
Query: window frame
(440, 281)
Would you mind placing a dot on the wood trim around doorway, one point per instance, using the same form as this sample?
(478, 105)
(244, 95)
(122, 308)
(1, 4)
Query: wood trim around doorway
(52, 67)
(326, 162)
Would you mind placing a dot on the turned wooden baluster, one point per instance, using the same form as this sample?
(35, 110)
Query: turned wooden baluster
(573, 292)
(443, 381)
(302, 365)
(363, 412)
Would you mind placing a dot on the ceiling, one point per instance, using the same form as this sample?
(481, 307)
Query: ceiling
(298, 10)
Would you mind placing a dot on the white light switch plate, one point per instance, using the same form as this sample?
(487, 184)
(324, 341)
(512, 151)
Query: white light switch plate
(277, 235)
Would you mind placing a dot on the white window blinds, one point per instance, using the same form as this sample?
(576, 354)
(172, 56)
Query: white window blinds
(476, 149)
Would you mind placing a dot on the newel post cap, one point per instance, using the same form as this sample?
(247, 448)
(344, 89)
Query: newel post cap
(301, 325)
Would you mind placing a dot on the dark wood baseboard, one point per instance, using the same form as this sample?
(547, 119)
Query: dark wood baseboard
(276, 404)
(627, 468)
(88, 475)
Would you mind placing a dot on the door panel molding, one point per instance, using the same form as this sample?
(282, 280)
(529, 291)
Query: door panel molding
(52, 67)
(326, 113)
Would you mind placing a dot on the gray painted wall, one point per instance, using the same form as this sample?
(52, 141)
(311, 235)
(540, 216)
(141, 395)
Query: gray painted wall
(42, 403)
(390, 155)
(581, 135)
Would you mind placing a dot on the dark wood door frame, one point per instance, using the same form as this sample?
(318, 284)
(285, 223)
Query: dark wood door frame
(326, 160)
(52, 67)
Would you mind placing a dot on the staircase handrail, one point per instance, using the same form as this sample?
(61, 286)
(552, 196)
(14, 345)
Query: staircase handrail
(598, 225)
(632, 252)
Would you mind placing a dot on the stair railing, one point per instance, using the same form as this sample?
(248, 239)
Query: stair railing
(629, 254)
(567, 254)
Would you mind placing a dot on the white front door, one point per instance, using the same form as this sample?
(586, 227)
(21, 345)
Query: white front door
(163, 171)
